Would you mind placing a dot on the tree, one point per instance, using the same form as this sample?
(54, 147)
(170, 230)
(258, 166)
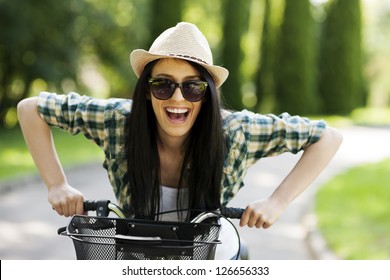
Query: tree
(32, 46)
(49, 43)
(236, 14)
(164, 14)
(265, 75)
(294, 77)
(107, 32)
(340, 72)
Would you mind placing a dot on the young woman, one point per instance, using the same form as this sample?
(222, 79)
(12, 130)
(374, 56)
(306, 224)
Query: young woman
(172, 146)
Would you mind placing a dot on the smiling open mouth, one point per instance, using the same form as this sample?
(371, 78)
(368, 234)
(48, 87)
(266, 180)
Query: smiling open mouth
(177, 114)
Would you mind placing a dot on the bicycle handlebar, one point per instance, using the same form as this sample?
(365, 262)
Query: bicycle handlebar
(104, 207)
(90, 205)
(232, 212)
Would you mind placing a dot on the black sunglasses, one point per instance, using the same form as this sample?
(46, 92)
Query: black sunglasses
(163, 89)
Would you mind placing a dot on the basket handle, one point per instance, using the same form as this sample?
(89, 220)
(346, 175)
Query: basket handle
(138, 238)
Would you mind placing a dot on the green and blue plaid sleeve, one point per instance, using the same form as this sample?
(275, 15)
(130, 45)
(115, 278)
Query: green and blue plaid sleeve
(250, 137)
(269, 135)
(95, 118)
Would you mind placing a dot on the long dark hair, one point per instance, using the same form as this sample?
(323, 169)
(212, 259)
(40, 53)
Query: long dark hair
(203, 152)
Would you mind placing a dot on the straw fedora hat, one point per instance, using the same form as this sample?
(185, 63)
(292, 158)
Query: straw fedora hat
(183, 41)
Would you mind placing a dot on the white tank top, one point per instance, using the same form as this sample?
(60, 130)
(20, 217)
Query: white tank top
(168, 203)
(228, 248)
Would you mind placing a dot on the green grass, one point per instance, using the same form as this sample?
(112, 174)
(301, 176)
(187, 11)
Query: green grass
(15, 160)
(335, 121)
(353, 212)
(371, 116)
(379, 117)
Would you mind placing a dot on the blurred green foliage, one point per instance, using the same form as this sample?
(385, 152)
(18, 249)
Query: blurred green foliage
(270, 47)
(34, 46)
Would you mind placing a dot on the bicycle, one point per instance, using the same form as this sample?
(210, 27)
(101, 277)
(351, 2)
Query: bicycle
(121, 238)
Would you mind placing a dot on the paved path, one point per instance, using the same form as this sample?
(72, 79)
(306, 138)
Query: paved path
(28, 225)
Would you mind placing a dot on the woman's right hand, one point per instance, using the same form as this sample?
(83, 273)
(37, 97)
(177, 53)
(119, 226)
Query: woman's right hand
(66, 200)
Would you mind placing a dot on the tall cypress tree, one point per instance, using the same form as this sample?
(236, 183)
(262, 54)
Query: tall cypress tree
(295, 64)
(340, 72)
(236, 14)
(164, 14)
(264, 77)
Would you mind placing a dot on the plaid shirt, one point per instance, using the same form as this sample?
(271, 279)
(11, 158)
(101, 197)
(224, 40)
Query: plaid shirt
(249, 136)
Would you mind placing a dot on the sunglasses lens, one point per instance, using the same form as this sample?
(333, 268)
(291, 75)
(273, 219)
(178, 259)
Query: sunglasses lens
(161, 88)
(194, 90)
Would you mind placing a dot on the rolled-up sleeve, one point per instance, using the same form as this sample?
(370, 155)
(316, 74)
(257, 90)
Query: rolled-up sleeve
(270, 135)
(74, 114)
(251, 136)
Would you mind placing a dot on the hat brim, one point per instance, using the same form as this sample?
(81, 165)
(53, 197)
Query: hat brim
(139, 58)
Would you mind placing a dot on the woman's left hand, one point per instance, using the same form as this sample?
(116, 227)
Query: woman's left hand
(262, 213)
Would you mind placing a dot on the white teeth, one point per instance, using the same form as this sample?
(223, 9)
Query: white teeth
(177, 110)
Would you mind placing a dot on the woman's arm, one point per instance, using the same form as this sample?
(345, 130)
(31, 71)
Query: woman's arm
(63, 198)
(314, 159)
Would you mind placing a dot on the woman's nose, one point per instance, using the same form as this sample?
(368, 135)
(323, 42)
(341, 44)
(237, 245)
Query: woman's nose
(177, 95)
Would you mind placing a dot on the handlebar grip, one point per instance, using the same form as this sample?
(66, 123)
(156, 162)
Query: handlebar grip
(232, 212)
(103, 208)
(90, 205)
(61, 231)
(100, 206)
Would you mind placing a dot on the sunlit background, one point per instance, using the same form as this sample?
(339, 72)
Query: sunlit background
(328, 59)
(295, 56)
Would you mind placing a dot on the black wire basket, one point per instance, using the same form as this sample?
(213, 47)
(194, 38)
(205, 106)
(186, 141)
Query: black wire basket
(106, 238)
